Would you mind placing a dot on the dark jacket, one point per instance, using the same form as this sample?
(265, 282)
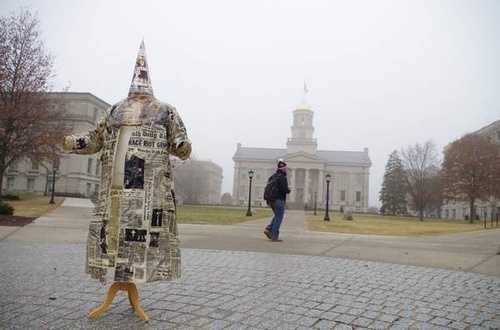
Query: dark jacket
(282, 185)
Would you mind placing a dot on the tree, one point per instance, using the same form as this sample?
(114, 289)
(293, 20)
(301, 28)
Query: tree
(436, 198)
(191, 182)
(31, 120)
(226, 199)
(420, 162)
(471, 171)
(393, 191)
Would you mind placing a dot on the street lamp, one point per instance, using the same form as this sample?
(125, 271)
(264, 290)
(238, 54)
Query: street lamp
(315, 196)
(328, 177)
(250, 176)
(55, 166)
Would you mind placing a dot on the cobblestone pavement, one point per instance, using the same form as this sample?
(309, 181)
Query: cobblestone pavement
(43, 286)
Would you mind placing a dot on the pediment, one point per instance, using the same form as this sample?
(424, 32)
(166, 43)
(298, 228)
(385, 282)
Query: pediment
(302, 157)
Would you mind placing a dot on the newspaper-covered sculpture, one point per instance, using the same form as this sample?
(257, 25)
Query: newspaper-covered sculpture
(133, 227)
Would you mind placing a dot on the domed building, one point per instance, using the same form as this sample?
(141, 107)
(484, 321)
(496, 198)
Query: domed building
(308, 168)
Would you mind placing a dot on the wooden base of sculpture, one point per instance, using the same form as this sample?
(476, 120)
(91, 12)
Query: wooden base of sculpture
(133, 298)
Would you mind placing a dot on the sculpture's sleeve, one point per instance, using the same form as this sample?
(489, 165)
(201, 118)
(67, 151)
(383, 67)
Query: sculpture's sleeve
(85, 143)
(179, 144)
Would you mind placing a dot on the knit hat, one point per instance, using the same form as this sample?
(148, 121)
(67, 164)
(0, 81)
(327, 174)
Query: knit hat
(141, 82)
(281, 164)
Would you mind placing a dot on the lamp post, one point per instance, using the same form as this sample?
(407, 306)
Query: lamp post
(315, 196)
(55, 166)
(328, 177)
(250, 176)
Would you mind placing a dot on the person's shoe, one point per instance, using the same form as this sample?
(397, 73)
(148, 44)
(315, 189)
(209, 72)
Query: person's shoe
(277, 240)
(267, 232)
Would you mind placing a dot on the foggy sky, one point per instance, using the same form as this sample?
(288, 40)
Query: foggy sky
(380, 74)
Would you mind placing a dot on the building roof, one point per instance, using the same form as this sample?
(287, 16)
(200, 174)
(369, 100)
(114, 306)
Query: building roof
(329, 156)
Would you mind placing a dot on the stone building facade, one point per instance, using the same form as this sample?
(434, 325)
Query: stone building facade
(77, 175)
(306, 171)
(489, 209)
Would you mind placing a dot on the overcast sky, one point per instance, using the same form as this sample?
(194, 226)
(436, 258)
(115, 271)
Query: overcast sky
(380, 74)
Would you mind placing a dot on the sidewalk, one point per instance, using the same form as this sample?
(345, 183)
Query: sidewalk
(234, 279)
(477, 252)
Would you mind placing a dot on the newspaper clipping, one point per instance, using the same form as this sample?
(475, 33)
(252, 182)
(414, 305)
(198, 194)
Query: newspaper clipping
(135, 231)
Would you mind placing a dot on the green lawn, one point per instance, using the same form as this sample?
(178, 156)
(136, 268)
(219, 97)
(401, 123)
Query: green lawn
(371, 224)
(218, 215)
(35, 206)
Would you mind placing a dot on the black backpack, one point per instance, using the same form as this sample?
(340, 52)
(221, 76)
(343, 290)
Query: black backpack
(271, 189)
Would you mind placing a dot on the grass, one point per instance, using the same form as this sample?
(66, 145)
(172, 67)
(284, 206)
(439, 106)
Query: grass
(218, 215)
(370, 224)
(33, 205)
(367, 224)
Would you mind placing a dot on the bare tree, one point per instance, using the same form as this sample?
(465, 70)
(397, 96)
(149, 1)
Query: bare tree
(471, 171)
(420, 162)
(226, 199)
(31, 122)
(436, 199)
(191, 182)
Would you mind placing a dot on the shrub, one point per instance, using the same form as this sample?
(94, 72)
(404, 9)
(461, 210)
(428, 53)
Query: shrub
(6, 209)
(11, 197)
(348, 215)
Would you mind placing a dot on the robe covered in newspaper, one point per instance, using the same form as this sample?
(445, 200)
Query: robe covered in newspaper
(134, 224)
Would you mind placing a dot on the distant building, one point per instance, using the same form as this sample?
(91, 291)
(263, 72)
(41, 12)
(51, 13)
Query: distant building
(78, 175)
(484, 209)
(197, 182)
(307, 168)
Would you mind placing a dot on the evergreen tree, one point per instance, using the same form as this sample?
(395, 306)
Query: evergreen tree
(393, 191)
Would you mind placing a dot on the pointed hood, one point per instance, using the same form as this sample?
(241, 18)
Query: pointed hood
(141, 81)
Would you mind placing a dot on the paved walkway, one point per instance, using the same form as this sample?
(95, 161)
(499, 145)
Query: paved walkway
(234, 279)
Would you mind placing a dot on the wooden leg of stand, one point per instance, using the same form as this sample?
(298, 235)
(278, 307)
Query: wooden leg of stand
(133, 298)
(109, 298)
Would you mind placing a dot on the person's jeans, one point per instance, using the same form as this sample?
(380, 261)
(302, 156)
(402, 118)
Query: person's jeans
(278, 207)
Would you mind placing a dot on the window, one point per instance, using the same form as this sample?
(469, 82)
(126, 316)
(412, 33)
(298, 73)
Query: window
(89, 165)
(50, 184)
(97, 167)
(358, 196)
(243, 190)
(89, 189)
(343, 179)
(30, 187)
(34, 165)
(359, 179)
(300, 178)
(10, 184)
(342, 195)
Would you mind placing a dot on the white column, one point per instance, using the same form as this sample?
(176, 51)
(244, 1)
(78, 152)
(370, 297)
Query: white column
(291, 182)
(321, 188)
(306, 197)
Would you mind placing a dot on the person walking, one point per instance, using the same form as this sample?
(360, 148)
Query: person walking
(272, 230)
